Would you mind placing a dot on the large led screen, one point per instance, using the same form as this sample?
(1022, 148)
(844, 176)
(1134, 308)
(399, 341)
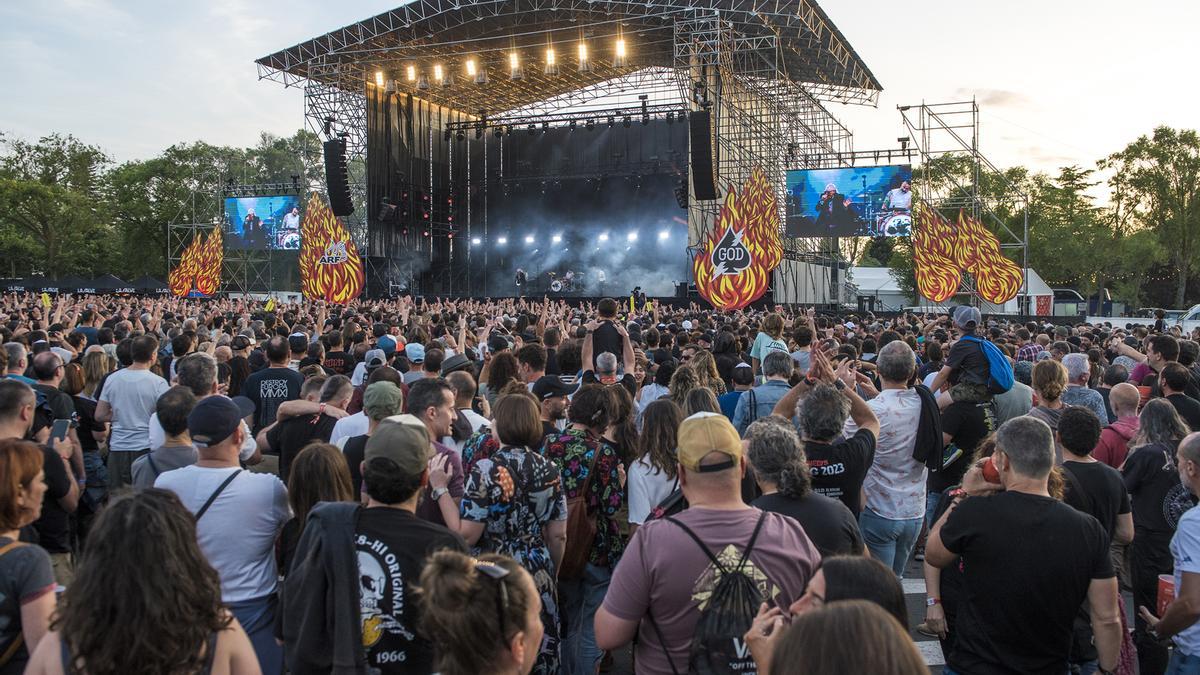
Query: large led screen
(263, 223)
(871, 201)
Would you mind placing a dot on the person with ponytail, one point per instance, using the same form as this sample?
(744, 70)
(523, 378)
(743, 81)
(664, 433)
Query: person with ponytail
(782, 472)
(482, 614)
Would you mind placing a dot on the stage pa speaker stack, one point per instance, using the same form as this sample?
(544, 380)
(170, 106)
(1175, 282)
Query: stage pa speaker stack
(704, 182)
(336, 180)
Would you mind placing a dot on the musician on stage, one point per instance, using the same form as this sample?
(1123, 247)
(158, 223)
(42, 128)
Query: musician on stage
(899, 199)
(520, 280)
(835, 211)
(252, 231)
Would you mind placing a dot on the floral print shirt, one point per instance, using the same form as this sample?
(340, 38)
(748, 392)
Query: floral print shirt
(572, 450)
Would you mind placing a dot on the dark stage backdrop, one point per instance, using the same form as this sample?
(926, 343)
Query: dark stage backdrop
(577, 184)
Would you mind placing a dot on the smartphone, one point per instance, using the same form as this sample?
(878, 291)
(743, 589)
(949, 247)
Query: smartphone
(60, 429)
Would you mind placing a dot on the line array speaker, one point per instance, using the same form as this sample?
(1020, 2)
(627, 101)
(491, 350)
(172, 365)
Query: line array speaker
(336, 180)
(704, 182)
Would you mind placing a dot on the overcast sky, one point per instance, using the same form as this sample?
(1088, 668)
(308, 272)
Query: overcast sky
(1059, 82)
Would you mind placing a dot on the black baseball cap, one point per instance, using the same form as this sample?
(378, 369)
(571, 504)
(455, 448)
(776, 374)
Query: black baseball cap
(456, 362)
(549, 386)
(498, 343)
(214, 418)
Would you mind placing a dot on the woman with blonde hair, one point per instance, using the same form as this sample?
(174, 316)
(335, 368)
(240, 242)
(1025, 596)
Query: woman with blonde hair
(707, 374)
(1049, 382)
(683, 381)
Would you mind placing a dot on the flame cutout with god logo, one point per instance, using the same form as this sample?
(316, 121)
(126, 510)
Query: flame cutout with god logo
(330, 267)
(199, 268)
(735, 262)
(941, 252)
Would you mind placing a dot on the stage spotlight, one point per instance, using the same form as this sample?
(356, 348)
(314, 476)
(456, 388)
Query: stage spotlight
(545, 127)
(529, 239)
(585, 66)
(626, 121)
(475, 241)
(670, 117)
(514, 67)
(379, 78)
(508, 130)
(645, 119)
(410, 73)
(572, 125)
(532, 128)
(460, 135)
(611, 120)
(557, 239)
(502, 241)
(422, 82)
(551, 67)
(446, 135)
(632, 236)
(589, 125)
(664, 235)
(604, 236)
(619, 56)
(498, 131)
(470, 67)
(478, 132)
(438, 75)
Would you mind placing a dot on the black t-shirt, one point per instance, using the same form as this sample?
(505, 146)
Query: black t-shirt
(828, 523)
(339, 363)
(1097, 490)
(838, 470)
(54, 525)
(1158, 498)
(968, 363)
(607, 339)
(967, 424)
(290, 436)
(1028, 561)
(267, 389)
(355, 452)
(393, 545)
(61, 404)
(552, 361)
(85, 411)
(1188, 409)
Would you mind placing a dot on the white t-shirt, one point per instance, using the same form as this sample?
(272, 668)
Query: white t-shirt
(158, 437)
(1185, 548)
(238, 532)
(132, 395)
(895, 484)
(647, 488)
(349, 426)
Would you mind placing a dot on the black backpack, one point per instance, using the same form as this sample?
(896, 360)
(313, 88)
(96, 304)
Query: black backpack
(718, 644)
(670, 505)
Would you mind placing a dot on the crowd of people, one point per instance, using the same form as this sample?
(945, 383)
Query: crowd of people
(514, 486)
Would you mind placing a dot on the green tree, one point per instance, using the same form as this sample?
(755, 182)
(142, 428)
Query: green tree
(51, 201)
(1162, 173)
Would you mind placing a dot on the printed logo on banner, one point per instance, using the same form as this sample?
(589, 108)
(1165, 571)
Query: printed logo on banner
(733, 267)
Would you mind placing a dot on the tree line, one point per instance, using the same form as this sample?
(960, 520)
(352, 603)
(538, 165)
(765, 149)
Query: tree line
(67, 208)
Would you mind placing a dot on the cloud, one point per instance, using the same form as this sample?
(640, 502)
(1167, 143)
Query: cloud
(999, 98)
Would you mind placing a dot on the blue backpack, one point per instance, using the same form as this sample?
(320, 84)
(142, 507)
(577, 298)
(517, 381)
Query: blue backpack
(1000, 372)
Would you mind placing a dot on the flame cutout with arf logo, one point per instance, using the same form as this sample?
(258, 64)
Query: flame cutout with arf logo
(734, 265)
(199, 267)
(330, 267)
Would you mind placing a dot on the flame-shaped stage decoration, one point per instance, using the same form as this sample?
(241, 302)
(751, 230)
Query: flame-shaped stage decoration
(734, 265)
(942, 251)
(330, 267)
(199, 269)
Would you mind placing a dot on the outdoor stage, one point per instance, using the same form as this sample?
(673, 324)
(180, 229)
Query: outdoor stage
(566, 136)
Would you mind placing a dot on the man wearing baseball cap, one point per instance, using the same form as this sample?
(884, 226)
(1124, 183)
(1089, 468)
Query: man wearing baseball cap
(665, 563)
(238, 517)
(367, 559)
(552, 395)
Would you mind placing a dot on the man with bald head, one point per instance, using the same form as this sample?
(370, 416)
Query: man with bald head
(1114, 438)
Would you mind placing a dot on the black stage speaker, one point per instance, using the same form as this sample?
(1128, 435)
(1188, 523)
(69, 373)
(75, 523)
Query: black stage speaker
(336, 181)
(703, 180)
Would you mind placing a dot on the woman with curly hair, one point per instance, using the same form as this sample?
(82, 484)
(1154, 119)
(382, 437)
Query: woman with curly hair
(165, 618)
(500, 371)
(682, 382)
(706, 372)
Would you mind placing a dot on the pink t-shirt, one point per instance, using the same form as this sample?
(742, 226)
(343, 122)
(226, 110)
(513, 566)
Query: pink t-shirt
(664, 572)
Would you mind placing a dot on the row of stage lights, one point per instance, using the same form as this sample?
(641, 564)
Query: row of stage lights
(442, 77)
(630, 237)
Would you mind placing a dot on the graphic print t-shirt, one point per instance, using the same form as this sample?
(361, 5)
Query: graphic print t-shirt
(392, 546)
(269, 388)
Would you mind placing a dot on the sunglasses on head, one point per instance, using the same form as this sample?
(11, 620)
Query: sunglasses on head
(497, 573)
